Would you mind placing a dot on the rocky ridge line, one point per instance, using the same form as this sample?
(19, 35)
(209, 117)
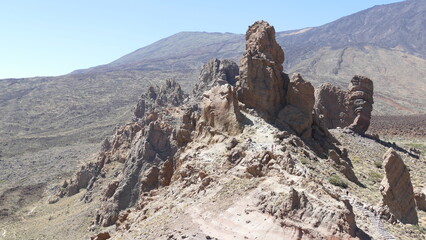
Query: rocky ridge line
(259, 129)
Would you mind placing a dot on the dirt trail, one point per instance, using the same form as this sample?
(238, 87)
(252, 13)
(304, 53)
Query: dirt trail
(375, 220)
(238, 222)
(4, 233)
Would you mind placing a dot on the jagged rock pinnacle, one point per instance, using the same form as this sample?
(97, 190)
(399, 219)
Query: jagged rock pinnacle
(261, 83)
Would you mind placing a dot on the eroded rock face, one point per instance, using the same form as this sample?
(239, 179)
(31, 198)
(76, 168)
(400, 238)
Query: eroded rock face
(157, 97)
(309, 218)
(262, 84)
(215, 73)
(144, 149)
(342, 165)
(82, 178)
(140, 109)
(220, 111)
(420, 198)
(352, 109)
(184, 133)
(397, 190)
(331, 106)
(360, 98)
(147, 167)
(297, 114)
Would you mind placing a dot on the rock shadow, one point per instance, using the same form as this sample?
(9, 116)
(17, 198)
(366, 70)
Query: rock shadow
(391, 145)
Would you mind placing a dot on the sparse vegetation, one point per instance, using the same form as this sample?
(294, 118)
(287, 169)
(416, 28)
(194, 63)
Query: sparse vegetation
(378, 163)
(375, 176)
(337, 181)
(304, 161)
(356, 159)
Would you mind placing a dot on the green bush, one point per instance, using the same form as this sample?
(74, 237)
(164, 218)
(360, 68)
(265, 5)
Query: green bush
(304, 161)
(337, 181)
(378, 164)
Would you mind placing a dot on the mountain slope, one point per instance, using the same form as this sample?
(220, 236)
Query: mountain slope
(400, 26)
(386, 37)
(181, 51)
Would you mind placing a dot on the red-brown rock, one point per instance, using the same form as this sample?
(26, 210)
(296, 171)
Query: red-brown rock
(397, 190)
(360, 98)
(297, 114)
(331, 106)
(261, 83)
(219, 110)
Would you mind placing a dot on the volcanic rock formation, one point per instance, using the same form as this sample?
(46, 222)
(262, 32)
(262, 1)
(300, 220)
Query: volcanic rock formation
(157, 97)
(397, 190)
(420, 198)
(352, 109)
(262, 84)
(360, 98)
(220, 110)
(210, 148)
(146, 166)
(330, 104)
(215, 73)
(297, 114)
(297, 211)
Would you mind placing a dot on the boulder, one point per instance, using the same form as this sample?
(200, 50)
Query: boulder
(219, 110)
(301, 94)
(420, 198)
(106, 145)
(397, 190)
(261, 84)
(184, 133)
(342, 165)
(101, 236)
(82, 178)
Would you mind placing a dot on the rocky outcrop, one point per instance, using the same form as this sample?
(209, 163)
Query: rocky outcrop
(297, 114)
(184, 133)
(219, 159)
(397, 190)
(420, 198)
(360, 99)
(342, 165)
(220, 111)
(82, 179)
(309, 218)
(337, 108)
(140, 109)
(215, 73)
(331, 106)
(147, 167)
(101, 236)
(121, 143)
(261, 84)
(144, 148)
(158, 97)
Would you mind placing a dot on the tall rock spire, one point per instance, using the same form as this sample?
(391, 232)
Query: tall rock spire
(261, 83)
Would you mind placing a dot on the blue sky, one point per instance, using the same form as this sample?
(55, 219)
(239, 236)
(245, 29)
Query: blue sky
(53, 37)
